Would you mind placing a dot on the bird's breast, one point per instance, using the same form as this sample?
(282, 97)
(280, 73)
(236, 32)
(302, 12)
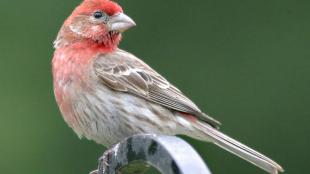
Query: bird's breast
(98, 112)
(71, 78)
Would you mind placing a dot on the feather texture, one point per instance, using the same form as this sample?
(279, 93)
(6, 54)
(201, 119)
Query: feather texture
(124, 72)
(237, 148)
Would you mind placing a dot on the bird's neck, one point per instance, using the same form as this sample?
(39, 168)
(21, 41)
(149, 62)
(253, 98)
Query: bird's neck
(92, 46)
(69, 40)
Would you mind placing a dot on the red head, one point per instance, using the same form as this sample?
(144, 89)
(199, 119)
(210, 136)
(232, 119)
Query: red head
(99, 22)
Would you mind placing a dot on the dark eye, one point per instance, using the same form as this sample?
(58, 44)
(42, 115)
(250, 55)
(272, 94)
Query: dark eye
(98, 14)
(102, 16)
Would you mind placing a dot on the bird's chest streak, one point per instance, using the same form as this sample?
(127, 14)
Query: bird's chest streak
(71, 72)
(72, 65)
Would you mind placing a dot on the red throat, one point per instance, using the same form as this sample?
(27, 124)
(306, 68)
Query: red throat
(106, 44)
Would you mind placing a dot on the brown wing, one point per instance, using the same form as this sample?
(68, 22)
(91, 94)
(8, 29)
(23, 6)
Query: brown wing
(124, 72)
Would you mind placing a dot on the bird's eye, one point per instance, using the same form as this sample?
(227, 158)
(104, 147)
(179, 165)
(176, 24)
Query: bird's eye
(98, 14)
(101, 16)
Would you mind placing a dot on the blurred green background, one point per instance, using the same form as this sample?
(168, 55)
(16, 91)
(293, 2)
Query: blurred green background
(247, 63)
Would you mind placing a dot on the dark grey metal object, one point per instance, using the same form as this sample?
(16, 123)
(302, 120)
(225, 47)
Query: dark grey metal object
(168, 154)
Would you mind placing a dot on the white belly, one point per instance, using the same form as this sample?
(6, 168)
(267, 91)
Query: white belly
(107, 116)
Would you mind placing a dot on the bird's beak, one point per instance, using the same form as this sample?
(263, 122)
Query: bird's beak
(120, 22)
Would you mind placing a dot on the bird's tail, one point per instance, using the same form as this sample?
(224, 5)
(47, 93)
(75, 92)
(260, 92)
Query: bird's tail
(209, 133)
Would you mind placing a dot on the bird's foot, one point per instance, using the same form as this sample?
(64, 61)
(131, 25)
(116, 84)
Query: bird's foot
(103, 163)
(94, 172)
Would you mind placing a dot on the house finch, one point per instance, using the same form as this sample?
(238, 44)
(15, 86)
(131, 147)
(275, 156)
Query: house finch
(107, 94)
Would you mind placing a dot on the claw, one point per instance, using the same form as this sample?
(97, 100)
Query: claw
(94, 172)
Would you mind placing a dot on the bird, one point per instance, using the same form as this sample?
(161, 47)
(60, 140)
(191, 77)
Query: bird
(106, 94)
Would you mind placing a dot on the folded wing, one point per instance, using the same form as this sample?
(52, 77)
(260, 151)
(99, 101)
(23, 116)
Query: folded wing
(124, 72)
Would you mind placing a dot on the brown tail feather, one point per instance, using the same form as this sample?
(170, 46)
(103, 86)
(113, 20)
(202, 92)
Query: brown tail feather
(209, 133)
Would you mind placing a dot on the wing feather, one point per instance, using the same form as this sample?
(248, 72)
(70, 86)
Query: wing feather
(124, 72)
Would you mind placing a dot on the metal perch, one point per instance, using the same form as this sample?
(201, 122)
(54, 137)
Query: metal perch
(136, 154)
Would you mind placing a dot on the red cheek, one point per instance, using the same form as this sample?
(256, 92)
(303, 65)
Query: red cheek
(96, 31)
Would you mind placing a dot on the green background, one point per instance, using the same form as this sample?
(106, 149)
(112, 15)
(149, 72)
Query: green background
(244, 62)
